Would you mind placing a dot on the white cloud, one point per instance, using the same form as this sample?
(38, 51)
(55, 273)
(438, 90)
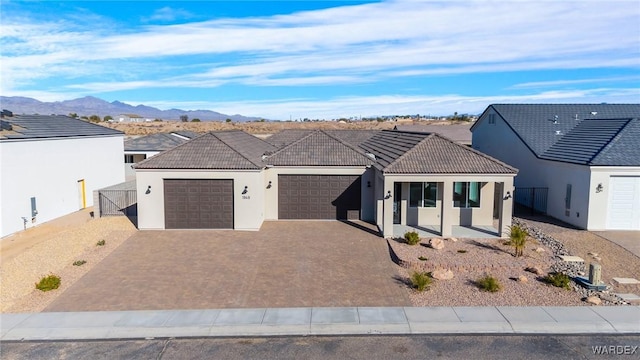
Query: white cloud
(168, 14)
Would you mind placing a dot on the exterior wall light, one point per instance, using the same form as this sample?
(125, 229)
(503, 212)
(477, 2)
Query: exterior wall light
(599, 188)
(508, 196)
(148, 190)
(388, 195)
(269, 185)
(246, 190)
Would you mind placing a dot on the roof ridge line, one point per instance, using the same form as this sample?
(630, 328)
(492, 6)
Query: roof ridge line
(405, 154)
(477, 152)
(291, 144)
(236, 151)
(359, 151)
(161, 154)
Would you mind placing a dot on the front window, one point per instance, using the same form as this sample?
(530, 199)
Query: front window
(423, 194)
(466, 194)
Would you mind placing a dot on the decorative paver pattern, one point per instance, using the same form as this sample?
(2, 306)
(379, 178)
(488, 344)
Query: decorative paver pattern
(285, 264)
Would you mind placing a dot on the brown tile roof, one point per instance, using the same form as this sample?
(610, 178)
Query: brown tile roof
(216, 150)
(319, 148)
(457, 132)
(352, 137)
(400, 152)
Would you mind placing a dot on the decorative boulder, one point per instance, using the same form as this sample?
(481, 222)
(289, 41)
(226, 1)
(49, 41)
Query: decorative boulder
(540, 250)
(442, 274)
(452, 239)
(594, 300)
(436, 243)
(523, 279)
(535, 270)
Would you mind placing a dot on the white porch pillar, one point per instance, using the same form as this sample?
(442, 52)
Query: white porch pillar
(387, 221)
(506, 210)
(446, 219)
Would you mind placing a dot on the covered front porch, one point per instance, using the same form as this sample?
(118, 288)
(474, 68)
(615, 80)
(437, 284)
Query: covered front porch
(466, 206)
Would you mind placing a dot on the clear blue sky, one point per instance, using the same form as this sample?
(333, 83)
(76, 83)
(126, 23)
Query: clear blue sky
(282, 59)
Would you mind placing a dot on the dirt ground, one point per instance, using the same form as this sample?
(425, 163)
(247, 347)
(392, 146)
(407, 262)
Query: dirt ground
(256, 127)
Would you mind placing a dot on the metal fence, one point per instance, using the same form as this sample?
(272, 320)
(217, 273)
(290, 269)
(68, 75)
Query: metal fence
(118, 202)
(533, 199)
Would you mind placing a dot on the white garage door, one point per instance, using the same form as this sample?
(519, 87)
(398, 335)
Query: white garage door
(624, 203)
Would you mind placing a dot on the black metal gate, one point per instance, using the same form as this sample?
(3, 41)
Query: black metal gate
(533, 199)
(118, 202)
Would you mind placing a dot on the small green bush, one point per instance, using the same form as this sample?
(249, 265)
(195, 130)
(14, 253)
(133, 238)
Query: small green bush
(518, 237)
(462, 251)
(420, 280)
(101, 243)
(489, 283)
(411, 237)
(558, 280)
(49, 282)
(422, 258)
(79, 262)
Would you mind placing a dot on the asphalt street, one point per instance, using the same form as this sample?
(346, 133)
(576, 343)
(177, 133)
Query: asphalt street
(475, 347)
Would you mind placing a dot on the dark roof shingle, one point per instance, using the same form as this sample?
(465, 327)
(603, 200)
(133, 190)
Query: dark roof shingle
(352, 137)
(457, 132)
(51, 126)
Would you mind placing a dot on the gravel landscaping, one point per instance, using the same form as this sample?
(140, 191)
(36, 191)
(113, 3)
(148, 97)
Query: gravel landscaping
(470, 259)
(56, 255)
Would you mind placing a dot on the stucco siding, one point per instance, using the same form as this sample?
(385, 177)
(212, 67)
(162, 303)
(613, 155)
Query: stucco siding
(248, 209)
(49, 170)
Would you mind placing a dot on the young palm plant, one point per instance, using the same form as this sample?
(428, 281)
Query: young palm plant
(518, 239)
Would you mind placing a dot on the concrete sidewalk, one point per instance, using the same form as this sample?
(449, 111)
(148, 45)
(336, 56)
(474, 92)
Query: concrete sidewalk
(319, 321)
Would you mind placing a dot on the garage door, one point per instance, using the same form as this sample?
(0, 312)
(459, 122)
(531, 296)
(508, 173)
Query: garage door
(198, 204)
(318, 196)
(624, 203)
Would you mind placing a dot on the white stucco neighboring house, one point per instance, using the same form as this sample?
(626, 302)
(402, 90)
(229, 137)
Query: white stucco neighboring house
(50, 166)
(586, 156)
(396, 180)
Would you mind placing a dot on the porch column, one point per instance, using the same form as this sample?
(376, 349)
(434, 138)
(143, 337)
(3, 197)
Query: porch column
(387, 217)
(506, 209)
(446, 218)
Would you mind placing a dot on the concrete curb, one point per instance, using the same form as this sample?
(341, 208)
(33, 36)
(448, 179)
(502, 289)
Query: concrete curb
(319, 321)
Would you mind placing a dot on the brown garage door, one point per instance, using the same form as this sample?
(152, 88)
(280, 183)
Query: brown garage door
(318, 196)
(198, 204)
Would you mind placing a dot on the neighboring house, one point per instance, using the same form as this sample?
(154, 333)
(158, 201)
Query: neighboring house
(397, 180)
(50, 166)
(131, 118)
(140, 148)
(460, 133)
(586, 155)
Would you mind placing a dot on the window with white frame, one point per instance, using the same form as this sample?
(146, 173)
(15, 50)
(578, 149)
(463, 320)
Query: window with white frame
(466, 194)
(423, 194)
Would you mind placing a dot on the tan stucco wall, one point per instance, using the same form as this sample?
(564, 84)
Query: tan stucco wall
(248, 209)
(271, 174)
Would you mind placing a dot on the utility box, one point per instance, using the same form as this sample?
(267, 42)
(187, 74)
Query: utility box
(595, 274)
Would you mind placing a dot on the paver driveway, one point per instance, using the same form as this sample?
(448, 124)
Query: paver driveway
(285, 264)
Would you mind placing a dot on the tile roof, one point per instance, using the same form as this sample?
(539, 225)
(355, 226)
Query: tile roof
(154, 142)
(352, 137)
(541, 126)
(50, 126)
(318, 148)
(457, 132)
(399, 152)
(223, 150)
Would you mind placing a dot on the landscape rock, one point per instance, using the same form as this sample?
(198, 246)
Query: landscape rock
(535, 270)
(540, 250)
(436, 243)
(593, 253)
(594, 300)
(597, 258)
(442, 274)
(523, 279)
(452, 239)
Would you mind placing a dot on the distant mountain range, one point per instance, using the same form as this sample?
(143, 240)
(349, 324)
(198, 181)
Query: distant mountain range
(90, 105)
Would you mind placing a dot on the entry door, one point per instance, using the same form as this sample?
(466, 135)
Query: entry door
(397, 201)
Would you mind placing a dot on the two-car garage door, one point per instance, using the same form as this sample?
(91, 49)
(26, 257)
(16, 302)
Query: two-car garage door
(319, 197)
(624, 203)
(198, 203)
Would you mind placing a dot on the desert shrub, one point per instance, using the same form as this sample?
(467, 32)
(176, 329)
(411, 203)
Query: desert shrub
(49, 282)
(101, 243)
(558, 280)
(79, 262)
(462, 251)
(411, 237)
(422, 258)
(518, 239)
(489, 283)
(421, 280)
